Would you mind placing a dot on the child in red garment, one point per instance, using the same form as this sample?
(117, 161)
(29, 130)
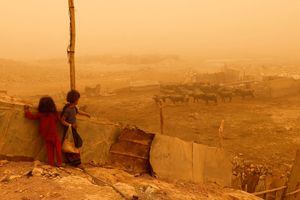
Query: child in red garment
(48, 118)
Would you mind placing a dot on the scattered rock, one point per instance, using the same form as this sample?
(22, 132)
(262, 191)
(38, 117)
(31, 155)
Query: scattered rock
(10, 178)
(46, 167)
(127, 190)
(43, 170)
(37, 171)
(151, 189)
(4, 179)
(51, 172)
(37, 163)
(3, 162)
(27, 173)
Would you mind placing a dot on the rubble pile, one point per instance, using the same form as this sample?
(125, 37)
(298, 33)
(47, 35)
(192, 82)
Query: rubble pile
(27, 180)
(249, 176)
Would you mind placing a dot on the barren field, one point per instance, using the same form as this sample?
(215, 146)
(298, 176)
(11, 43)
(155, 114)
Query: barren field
(264, 131)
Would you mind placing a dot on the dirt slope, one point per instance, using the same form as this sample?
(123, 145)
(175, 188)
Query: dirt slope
(35, 181)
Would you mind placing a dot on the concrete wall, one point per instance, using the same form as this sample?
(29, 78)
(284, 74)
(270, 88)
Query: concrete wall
(19, 137)
(175, 159)
(171, 158)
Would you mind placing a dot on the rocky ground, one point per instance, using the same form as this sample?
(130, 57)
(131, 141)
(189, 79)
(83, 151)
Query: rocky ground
(37, 181)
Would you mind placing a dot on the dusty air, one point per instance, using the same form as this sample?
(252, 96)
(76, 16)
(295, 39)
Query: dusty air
(149, 100)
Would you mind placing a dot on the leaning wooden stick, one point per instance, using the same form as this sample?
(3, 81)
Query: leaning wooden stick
(161, 118)
(293, 193)
(269, 191)
(221, 134)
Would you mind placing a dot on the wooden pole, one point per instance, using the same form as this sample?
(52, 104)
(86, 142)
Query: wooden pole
(161, 118)
(293, 193)
(269, 191)
(221, 134)
(71, 48)
(293, 181)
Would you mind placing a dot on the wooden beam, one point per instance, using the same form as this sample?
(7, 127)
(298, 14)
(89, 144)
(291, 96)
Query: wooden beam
(161, 117)
(71, 48)
(293, 193)
(221, 134)
(269, 191)
(128, 154)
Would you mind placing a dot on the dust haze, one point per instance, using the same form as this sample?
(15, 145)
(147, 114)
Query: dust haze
(206, 29)
(225, 74)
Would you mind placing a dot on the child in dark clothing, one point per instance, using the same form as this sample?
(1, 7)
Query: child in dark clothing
(48, 119)
(68, 118)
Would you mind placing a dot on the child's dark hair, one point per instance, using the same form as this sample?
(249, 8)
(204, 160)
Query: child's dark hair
(47, 105)
(73, 96)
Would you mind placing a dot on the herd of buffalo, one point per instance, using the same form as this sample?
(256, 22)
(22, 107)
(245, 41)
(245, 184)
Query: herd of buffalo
(183, 93)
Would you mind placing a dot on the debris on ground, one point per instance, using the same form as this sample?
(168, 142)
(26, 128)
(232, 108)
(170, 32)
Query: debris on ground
(26, 180)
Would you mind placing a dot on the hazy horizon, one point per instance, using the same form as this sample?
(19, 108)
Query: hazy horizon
(35, 29)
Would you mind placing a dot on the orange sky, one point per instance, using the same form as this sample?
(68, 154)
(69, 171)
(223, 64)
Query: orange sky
(37, 29)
